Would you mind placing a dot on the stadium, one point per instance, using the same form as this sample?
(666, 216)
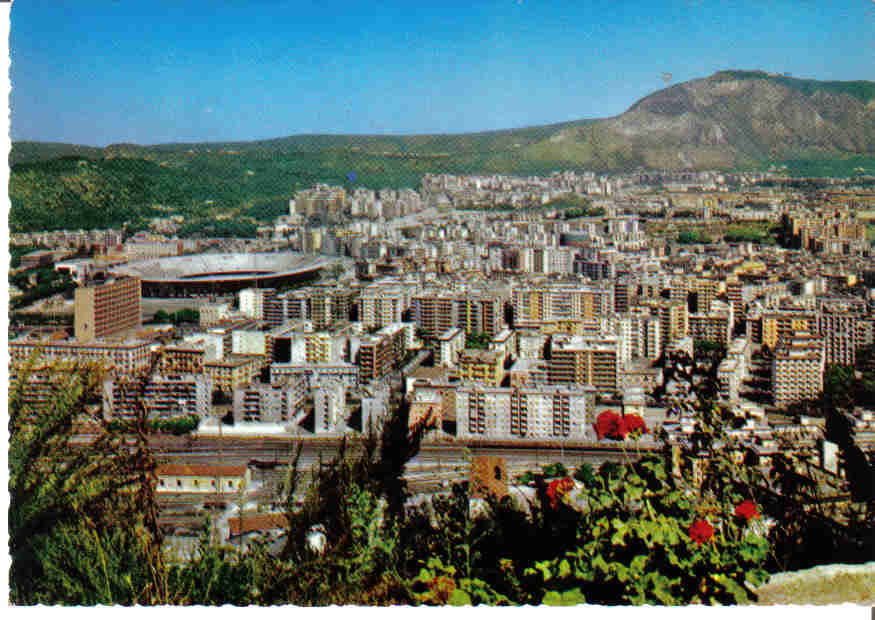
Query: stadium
(217, 274)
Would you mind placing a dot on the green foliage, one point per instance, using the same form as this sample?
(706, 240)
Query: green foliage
(90, 193)
(585, 474)
(215, 228)
(437, 584)
(749, 233)
(40, 283)
(583, 212)
(638, 550)
(708, 351)
(556, 470)
(67, 500)
(688, 237)
(860, 89)
(266, 211)
(186, 315)
(627, 537)
(177, 425)
(217, 575)
(477, 340)
(17, 251)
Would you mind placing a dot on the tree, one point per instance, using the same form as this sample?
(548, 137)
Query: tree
(82, 515)
(477, 340)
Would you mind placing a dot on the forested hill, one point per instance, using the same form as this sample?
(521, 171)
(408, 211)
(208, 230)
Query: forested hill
(730, 120)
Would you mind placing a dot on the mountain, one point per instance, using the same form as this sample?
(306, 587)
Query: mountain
(732, 119)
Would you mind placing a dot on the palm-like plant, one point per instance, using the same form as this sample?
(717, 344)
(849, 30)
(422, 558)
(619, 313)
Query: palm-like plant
(82, 514)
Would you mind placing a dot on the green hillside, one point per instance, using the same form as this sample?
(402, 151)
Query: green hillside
(97, 193)
(695, 124)
(860, 89)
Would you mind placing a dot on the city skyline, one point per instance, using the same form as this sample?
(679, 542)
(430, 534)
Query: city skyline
(164, 72)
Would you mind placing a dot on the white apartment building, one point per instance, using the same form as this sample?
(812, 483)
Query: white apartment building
(252, 302)
(329, 406)
(247, 342)
(163, 396)
(534, 412)
(279, 403)
(450, 344)
(381, 305)
(797, 369)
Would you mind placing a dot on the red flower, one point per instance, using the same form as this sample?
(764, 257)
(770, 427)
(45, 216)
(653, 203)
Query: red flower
(630, 424)
(608, 425)
(701, 531)
(557, 489)
(747, 510)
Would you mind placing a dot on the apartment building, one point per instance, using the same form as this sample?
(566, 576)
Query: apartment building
(504, 342)
(481, 366)
(253, 300)
(730, 374)
(702, 290)
(530, 344)
(379, 353)
(334, 304)
(673, 321)
(381, 305)
(222, 335)
(101, 310)
(212, 314)
(534, 306)
(715, 325)
(233, 372)
(735, 294)
(471, 311)
(277, 403)
(163, 396)
(248, 342)
(547, 412)
(130, 356)
(782, 324)
(529, 372)
(483, 411)
(543, 412)
(346, 373)
(639, 335)
(329, 407)
(284, 307)
(325, 347)
(625, 294)
(837, 326)
(585, 361)
(181, 358)
(831, 232)
(797, 368)
(450, 344)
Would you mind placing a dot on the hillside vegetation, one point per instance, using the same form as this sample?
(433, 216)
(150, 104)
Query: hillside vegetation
(732, 120)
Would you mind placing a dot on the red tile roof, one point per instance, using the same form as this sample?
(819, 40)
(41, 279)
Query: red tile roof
(259, 522)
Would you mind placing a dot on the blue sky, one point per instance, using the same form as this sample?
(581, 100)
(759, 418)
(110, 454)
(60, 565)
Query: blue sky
(100, 72)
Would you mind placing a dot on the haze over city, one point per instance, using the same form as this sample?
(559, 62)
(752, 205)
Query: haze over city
(102, 72)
